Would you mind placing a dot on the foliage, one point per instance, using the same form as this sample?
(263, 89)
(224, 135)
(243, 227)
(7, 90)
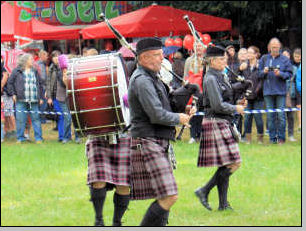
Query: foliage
(253, 19)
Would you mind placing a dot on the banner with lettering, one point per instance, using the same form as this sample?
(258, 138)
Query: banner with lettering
(22, 23)
(75, 12)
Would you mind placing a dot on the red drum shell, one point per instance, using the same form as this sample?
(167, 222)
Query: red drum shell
(96, 86)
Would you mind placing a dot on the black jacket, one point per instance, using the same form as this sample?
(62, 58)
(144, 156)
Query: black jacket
(218, 96)
(15, 84)
(150, 110)
(252, 75)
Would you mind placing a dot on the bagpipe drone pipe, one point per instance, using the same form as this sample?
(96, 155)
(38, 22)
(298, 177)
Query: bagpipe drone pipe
(179, 97)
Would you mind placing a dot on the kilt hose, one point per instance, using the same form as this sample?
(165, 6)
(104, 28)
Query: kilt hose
(217, 145)
(151, 172)
(108, 162)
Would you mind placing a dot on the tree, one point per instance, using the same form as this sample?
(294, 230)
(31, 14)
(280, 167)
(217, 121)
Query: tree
(256, 21)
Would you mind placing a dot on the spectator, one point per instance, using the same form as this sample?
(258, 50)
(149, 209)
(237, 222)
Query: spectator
(56, 95)
(178, 68)
(84, 51)
(42, 69)
(9, 117)
(165, 75)
(194, 65)
(299, 93)
(275, 69)
(131, 65)
(296, 62)
(239, 67)
(255, 99)
(26, 87)
(2, 121)
(290, 96)
(91, 52)
(232, 59)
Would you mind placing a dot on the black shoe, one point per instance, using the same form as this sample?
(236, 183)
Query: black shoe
(225, 207)
(203, 197)
(99, 223)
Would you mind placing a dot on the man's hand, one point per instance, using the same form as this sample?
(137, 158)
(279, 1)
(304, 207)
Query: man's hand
(266, 70)
(240, 109)
(243, 102)
(276, 72)
(243, 66)
(15, 98)
(65, 77)
(50, 101)
(184, 119)
(41, 102)
(192, 111)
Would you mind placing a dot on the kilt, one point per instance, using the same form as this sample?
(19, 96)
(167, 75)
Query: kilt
(108, 163)
(8, 104)
(151, 172)
(217, 145)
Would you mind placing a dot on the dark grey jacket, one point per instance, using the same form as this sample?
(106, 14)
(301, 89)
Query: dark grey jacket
(218, 96)
(150, 110)
(56, 88)
(15, 84)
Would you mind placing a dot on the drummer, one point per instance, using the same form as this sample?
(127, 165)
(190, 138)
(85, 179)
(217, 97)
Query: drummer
(108, 168)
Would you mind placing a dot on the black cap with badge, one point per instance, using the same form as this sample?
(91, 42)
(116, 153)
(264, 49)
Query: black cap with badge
(148, 44)
(215, 51)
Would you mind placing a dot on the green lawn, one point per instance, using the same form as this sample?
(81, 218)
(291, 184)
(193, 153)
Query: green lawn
(45, 185)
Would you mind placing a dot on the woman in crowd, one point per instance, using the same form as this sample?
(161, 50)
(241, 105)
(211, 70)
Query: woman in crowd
(255, 98)
(26, 87)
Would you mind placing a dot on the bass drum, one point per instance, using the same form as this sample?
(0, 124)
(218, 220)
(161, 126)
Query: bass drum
(96, 88)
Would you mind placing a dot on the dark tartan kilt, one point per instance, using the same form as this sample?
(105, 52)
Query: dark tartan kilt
(151, 172)
(217, 145)
(108, 163)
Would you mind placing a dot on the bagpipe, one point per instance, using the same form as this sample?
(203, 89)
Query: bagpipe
(179, 97)
(242, 87)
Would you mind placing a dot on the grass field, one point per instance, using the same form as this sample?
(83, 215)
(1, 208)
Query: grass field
(45, 185)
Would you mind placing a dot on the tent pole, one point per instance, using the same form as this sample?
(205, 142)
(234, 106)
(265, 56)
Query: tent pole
(80, 49)
(17, 44)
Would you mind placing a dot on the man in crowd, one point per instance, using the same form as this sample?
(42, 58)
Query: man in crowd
(275, 69)
(42, 69)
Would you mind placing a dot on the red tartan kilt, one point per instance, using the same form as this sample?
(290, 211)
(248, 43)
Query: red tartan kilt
(151, 172)
(108, 162)
(217, 145)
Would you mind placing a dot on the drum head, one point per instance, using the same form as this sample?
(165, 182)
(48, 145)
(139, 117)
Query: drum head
(123, 89)
(97, 86)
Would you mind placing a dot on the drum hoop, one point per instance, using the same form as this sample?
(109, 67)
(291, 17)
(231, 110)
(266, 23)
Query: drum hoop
(73, 97)
(104, 126)
(113, 88)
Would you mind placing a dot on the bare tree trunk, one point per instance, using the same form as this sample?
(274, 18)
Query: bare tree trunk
(294, 23)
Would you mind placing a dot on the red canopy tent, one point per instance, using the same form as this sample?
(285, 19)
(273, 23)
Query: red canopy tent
(37, 31)
(47, 32)
(7, 22)
(157, 21)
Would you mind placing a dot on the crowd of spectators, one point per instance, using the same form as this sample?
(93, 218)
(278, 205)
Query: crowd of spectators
(276, 83)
